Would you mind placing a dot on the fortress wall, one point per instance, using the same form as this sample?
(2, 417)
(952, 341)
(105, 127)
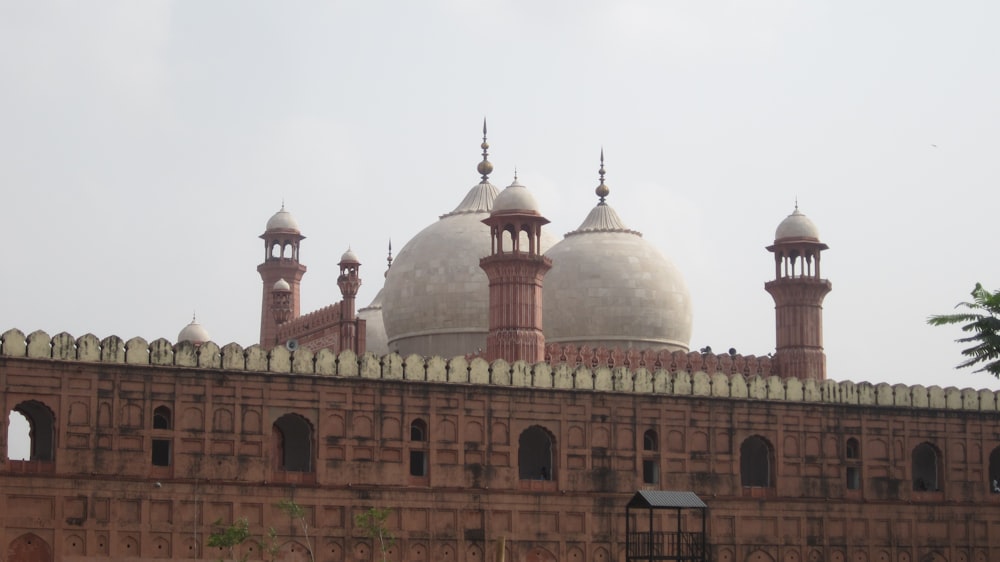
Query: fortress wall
(677, 373)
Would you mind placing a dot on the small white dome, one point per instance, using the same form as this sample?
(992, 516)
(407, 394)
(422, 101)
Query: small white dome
(350, 257)
(281, 285)
(515, 197)
(194, 333)
(796, 226)
(282, 220)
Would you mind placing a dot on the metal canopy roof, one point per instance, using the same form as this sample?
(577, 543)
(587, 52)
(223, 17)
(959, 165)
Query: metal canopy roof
(666, 499)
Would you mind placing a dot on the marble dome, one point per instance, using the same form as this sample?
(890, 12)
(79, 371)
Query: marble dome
(375, 337)
(282, 220)
(797, 226)
(608, 287)
(194, 333)
(436, 297)
(515, 197)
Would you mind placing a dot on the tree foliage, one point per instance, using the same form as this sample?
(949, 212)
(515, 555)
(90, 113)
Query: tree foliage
(372, 522)
(981, 321)
(230, 538)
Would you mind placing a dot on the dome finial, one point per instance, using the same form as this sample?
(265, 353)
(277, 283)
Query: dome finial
(602, 190)
(485, 167)
(388, 260)
(796, 202)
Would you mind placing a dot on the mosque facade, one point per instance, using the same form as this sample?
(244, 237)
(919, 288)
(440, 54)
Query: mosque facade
(504, 396)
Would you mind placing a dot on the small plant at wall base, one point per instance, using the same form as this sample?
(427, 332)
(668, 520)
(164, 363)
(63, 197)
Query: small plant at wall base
(982, 321)
(295, 512)
(231, 538)
(372, 523)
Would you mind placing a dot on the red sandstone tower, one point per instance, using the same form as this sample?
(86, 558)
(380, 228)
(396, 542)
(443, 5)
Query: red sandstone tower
(515, 268)
(798, 292)
(349, 283)
(280, 303)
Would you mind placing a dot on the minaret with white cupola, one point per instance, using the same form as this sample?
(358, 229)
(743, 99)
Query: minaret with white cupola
(281, 273)
(798, 291)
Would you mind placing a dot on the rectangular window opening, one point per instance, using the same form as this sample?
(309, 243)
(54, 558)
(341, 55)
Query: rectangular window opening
(853, 478)
(650, 472)
(418, 463)
(161, 452)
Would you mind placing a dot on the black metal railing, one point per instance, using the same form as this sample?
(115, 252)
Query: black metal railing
(643, 545)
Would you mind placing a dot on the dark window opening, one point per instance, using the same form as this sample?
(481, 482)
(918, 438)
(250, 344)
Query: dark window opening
(995, 471)
(925, 468)
(161, 418)
(292, 436)
(650, 472)
(418, 463)
(755, 463)
(649, 441)
(418, 430)
(853, 478)
(853, 450)
(161, 452)
(41, 430)
(534, 454)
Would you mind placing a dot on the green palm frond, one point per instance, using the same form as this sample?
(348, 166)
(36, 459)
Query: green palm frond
(982, 321)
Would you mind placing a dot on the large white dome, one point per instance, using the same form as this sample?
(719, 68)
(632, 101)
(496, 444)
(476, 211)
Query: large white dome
(608, 287)
(375, 338)
(436, 297)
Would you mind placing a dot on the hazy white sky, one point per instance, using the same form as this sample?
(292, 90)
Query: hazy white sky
(143, 146)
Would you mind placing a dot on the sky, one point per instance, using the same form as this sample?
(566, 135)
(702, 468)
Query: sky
(144, 145)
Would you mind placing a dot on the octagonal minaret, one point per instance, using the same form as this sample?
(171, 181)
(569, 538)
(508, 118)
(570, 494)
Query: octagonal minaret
(798, 291)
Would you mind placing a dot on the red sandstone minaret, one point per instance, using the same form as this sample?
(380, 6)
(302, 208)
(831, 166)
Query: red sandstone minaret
(515, 268)
(798, 292)
(281, 262)
(349, 283)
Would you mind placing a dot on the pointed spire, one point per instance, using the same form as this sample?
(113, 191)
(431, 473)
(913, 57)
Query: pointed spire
(602, 190)
(485, 167)
(388, 260)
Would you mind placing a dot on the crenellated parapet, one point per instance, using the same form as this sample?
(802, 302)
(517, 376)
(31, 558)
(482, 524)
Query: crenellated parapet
(307, 323)
(673, 361)
(677, 374)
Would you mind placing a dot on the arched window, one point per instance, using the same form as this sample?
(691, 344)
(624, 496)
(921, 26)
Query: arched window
(852, 450)
(755, 463)
(293, 443)
(649, 441)
(995, 471)
(418, 457)
(534, 454)
(418, 430)
(41, 430)
(925, 468)
(650, 464)
(162, 418)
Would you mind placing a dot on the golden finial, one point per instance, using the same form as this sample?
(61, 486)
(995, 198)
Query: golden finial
(602, 190)
(485, 167)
